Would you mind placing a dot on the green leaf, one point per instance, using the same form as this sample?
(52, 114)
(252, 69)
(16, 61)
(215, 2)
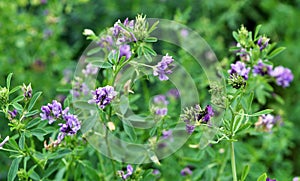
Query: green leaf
(235, 48)
(8, 79)
(151, 40)
(84, 105)
(129, 130)
(13, 144)
(276, 52)
(245, 172)
(243, 127)
(148, 57)
(33, 100)
(93, 51)
(94, 59)
(153, 27)
(18, 106)
(124, 104)
(266, 111)
(153, 131)
(33, 175)
(256, 31)
(32, 123)
(250, 100)
(60, 154)
(238, 120)
(235, 36)
(263, 177)
(18, 99)
(103, 65)
(12, 173)
(22, 141)
(88, 123)
(39, 133)
(149, 50)
(31, 113)
(14, 89)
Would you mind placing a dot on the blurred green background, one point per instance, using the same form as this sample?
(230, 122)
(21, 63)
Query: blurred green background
(41, 41)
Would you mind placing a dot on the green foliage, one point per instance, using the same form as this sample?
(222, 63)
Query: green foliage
(41, 43)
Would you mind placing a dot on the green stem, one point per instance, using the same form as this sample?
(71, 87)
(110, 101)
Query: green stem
(110, 153)
(233, 167)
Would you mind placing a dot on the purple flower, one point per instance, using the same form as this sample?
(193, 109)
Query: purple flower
(162, 68)
(161, 103)
(103, 96)
(27, 91)
(51, 111)
(90, 70)
(79, 88)
(43, 1)
(156, 172)
(123, 35)
(186, 171)
(129, 172)
(268, 179)
(166, 134)
(4, 141)
(189, 128)
(125, 51)
(184, 33)
(13, 113)
(296, 179)
(160, 99)
(240, 69)
(71, 126)
(161, 111)
(262, 69)
(266, 122)
(56, 108)
(283, 76)
(173, 93)
(208, 113)
(106, 42)
(263, 43)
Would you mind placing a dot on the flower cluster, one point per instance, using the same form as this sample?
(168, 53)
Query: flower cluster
(122, 34)
(249, 51)
(163, 68)
(240, 69)
(125, 51)
(79, 88)
(103, 96)
(52, 112)
(262, 69)
(128, 174)
(173, 93)
(160, 105)
(266, 122)
(282, 75)
(90, 70)
(268, 179)
(195, 115)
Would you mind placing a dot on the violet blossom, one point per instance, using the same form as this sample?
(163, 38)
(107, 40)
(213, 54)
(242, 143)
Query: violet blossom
(283, 76)
(163, 68)
(239, 68)
(103, 96)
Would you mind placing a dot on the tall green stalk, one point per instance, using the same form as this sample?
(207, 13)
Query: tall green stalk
(233, 167)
